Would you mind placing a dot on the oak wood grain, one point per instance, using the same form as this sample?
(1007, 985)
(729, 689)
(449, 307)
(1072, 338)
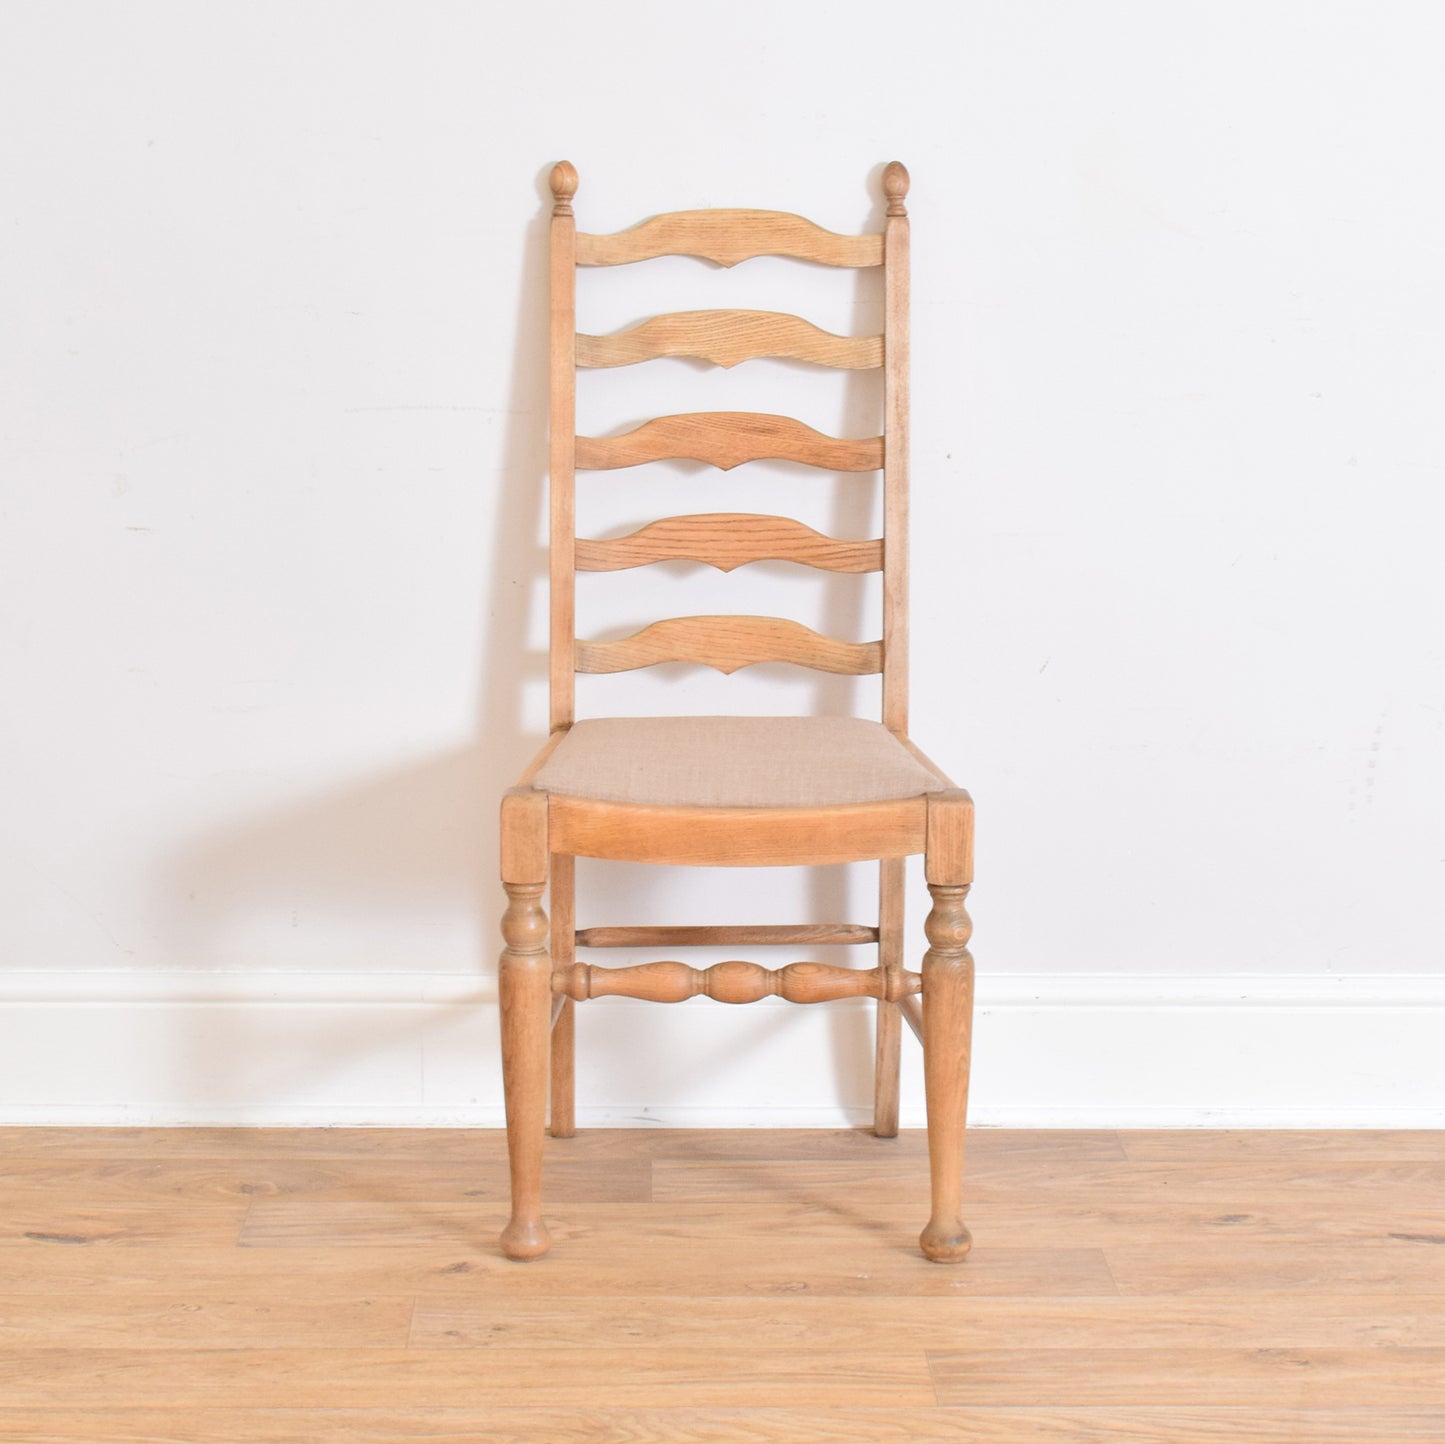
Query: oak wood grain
(147, 1191)
(1242, 1320)
(728, 540)
(727, 338)
(895, 428)
(732, 982)
(424, 1253)
(948, 977)
(562, 893)
(727, 237)
(68, 1222)
(88, 1320)
(154, 1147)
(948, 856)
(322, 1378)
(561, 486)
(726, 439)
(1305, 1267)
(888, 1034)
(1333, 1146)
(738, 836)
(728, 935)
(1275, 1377)
(729, 643)
(508, 1424)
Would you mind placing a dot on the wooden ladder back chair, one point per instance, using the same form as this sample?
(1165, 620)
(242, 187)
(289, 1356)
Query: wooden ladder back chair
(732, 791)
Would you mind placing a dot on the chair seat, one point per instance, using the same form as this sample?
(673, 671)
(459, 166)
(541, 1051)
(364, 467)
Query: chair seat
(735, 762)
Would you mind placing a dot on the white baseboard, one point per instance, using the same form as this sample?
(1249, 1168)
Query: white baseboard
(371, 1049)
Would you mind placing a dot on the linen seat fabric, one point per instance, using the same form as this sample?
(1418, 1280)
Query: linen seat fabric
(735, 762)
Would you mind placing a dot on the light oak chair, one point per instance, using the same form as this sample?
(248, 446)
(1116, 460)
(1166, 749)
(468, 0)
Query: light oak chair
(732, 791)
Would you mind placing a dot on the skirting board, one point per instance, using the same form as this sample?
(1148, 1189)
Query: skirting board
(419, 1049)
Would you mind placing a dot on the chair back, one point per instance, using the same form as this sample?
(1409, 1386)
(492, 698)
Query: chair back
(727, 439)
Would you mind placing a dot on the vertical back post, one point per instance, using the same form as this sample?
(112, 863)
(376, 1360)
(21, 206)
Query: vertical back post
(563, 449)
(895, 450)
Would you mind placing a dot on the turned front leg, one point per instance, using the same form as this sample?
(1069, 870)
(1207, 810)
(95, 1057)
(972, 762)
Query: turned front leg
(947, 1029)
(526, 999)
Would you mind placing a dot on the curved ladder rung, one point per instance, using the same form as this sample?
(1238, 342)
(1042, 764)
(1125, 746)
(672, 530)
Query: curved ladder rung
(727, 439)
(726, 540)
(729, 643)
(728, 337)
(727, 237)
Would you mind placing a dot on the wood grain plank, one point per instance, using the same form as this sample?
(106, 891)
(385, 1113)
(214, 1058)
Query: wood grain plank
(727, 237)
(1277, 1378)
(62, 1223)
(1233, 1287)
(398, 1378)
(85, 1320)
(1346, 1146)
(726, 439)
(1021, 1150)
(852, 1425)
(1397, 1268)
(33, 1186)
(616, 1259)
(1239, 1320)
(1050, 1148)
(728, 540)
(786, 1206)
(727, 338)
(727, 644)
(1405, 1186)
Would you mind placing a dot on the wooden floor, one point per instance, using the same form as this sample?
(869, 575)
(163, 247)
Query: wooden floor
(200, 1285)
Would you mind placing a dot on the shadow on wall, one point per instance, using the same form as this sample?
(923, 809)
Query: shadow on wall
(405, 847)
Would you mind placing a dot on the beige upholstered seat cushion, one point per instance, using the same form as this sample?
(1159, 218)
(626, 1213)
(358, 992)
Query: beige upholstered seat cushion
(734, 762)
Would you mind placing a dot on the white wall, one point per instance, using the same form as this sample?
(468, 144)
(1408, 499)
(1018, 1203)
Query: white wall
(271, 369)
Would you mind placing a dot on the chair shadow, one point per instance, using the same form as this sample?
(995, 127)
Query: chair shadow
(419, 840)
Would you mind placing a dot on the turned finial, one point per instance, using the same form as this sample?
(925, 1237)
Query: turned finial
(895, 187)
(564, 187)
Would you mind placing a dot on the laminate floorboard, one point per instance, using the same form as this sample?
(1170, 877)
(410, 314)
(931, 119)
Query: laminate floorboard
(213, 1285)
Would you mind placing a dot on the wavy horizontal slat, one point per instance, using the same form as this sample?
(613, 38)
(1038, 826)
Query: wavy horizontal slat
(728, 237)
(727, 337)
(728, 643)
(733, 982)
(727, 439)
(726, 540)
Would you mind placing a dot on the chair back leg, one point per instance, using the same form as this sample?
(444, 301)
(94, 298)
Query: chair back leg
(564, 1030)
(890, 1018)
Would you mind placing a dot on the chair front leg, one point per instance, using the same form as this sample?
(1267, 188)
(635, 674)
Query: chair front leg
(947, 1030)
(526, 1005)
